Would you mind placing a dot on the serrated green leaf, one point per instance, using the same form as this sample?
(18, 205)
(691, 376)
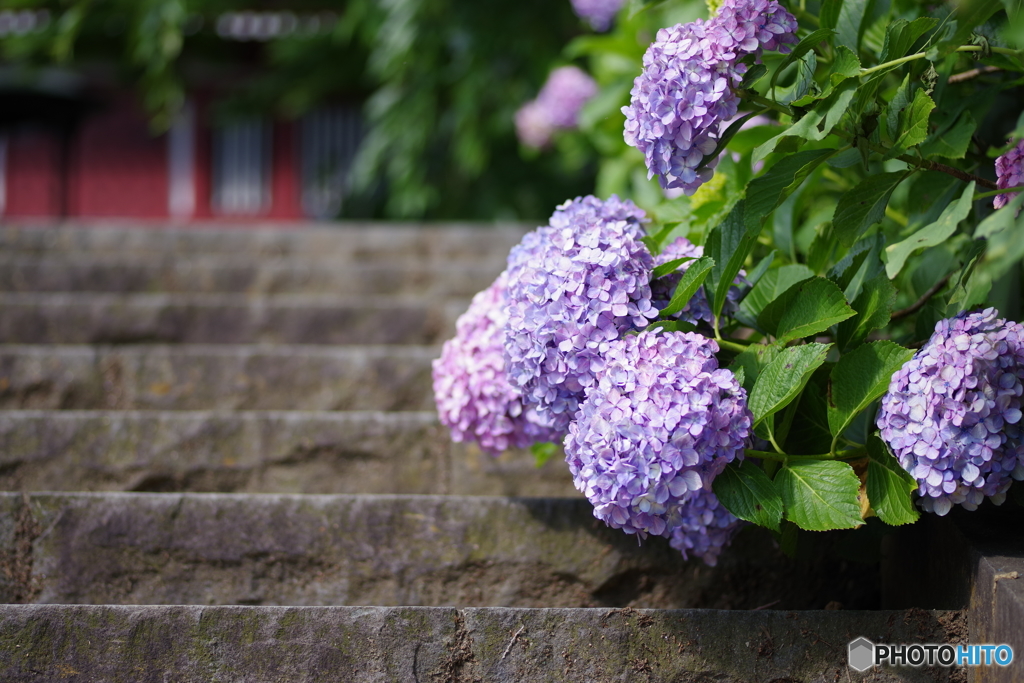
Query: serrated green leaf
(751, 361)
(864, 205)
(805, 309)
(930, 235)
(809, 42)
(822, 247)
(670, 266)
(812, 434)
(913, 126)
(845, 65)
(859, 378)
(820, 495)
(817, 123)
(901, 35)
(899, 102)
(783, 378)
(765, 193)
(691, 281)
(873, 306)
(772, 284)
(951, 143)
(889, 486)
(747, 492)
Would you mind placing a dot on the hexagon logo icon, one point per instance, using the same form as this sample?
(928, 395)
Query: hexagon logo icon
(862, 654)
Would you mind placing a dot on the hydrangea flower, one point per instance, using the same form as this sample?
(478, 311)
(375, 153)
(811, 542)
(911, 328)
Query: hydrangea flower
(574, 286)
(557, 106)
(1009, 173)
(705, 528)
(597, 13)
(472, 392)
(684, 92)
(661, 423)
(697, 310)
(952, 415)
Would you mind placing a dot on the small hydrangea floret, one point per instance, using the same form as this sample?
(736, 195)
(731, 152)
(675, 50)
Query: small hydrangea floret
(685, 90)
(473, 395)
(952, 415)
(574, 286)
(705, 527)
(1009, 173)
(661, 423)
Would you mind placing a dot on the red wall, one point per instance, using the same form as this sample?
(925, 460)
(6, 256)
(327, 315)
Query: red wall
(33, 174)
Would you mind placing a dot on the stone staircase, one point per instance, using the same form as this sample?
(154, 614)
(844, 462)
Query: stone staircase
(220, 462)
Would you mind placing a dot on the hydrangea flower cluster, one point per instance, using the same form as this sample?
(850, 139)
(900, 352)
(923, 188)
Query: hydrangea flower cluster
(557, 106)
(660, 424)
(705, 527)
(574, 286)
(684, 92)
(697, 310)
(473, 395)
(952, 415)
(1009, 173)
(597, 13)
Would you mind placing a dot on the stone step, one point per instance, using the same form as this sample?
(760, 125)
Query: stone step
(283, 452)
(225, 319)
(216, 377)
(224, 273)
(497, 645)
(276, 549)
(351, 241)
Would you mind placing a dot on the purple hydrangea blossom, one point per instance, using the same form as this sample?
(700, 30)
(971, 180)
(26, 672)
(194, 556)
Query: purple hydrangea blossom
(557, 106)
(473, 395)
(574, 286)
(952, 416)
(657, 428)
(697, 310)
(598, 13)
(1009, 173)
(684, 92)
(705, 528)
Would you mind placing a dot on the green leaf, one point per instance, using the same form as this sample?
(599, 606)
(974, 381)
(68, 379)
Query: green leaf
(817, 123)
(999, 220)
(820, 494)
(969, 16)
(930, 235)
(850, 23)
(672, 326)
(772, 284)
(829, 14)
(747, 492)
(728, 244)
(783, 378)
(845, 65)
(751, 362)
(864, 205)
(901, 35)
(753, 75)
(806, 308)
(670, 267)
(810, 41)
(859, 378)
(913, 124)
(542, 452)
(951, 143)
(691, 281)
(822, 247)
(874, 307)
(755, 275)
(768, 191)
(889, 486)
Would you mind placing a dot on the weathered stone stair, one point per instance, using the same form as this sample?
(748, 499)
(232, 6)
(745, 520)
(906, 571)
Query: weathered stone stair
(172, 401)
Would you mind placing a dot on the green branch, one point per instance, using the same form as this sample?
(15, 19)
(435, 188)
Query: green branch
(920, 55)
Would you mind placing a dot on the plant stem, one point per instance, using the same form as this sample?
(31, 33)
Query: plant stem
(993, 193)
(765, 102)
(917, 305)
(732, 346)
(784, 457)
(919, 55)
